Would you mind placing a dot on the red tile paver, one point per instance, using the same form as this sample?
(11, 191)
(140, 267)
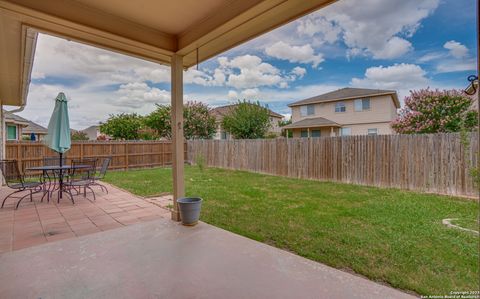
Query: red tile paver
(37, 222)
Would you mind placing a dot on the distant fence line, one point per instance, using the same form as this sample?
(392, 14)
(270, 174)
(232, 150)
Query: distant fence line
(429, 162)
(125, 154)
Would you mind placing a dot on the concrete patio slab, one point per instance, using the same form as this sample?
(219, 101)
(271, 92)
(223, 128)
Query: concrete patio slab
(162, 259)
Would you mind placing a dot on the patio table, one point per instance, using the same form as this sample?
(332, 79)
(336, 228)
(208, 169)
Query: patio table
(52, 168)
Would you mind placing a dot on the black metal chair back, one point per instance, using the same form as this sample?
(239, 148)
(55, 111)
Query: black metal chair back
(11, 173)
(104, 168)
(53, 161)
(84, 173)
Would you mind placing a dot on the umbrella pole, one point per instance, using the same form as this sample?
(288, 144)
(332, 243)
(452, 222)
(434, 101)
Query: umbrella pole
(60, 179)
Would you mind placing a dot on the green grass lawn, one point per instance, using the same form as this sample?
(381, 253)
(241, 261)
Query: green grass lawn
(387, 235)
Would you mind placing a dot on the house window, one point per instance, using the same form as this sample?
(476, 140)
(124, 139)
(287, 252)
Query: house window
(340, 107)
(315, 133)
(345, 131)
(362, 105)
(11, 132)
(373, 131)
(223, 135)
(303, 133)
(307, 110)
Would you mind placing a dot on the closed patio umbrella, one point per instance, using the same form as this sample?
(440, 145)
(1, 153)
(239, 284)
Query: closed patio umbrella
(58, 137)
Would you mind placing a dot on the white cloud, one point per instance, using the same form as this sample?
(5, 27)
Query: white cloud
(456, 49)
(430, 57)
(401, 77)
(232, 95)
(376, 27)
(303, 54)
(395, 47)
(93, 64)
(449, 66)
(87, 107)
(299, 71)
(249, 71)
(37, 75)
(320, 27)
(137, 95)
(251, 93)
(457, 58)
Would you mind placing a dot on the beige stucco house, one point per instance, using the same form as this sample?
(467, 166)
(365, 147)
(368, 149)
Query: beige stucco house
(93, 132)
(347, 111)
(13, 126)
(220, 112)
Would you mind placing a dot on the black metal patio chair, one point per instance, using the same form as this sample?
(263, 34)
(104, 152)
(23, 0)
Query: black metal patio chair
(101, 174)
(81, 177)
(16, 180)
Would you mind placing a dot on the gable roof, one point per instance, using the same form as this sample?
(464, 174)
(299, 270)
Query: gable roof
(348, 93)
(220, 112)
(93, 127)
(34, 128)
(312, 123)
(13, 118)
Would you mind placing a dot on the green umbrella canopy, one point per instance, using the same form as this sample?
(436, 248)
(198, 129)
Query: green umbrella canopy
(58, 137)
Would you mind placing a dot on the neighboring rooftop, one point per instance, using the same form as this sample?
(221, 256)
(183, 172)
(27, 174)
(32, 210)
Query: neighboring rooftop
(94, 127)
(13, 118)
(311, 123)
(220, 112)
(34, 128)
(347, 93)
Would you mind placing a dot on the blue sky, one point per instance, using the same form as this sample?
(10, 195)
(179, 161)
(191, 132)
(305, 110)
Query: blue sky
(386, 44)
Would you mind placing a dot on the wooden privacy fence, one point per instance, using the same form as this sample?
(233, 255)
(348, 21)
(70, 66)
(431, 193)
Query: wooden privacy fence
(125, 154)
(437, 163)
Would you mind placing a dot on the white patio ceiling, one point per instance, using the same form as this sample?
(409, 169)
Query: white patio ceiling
(148, 29)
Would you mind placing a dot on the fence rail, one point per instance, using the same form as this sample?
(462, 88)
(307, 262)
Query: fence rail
(437, 163)
(125, 154)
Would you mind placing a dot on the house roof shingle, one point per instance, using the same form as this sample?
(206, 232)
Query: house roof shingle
(347, 93)
(312, 123)
(13, 118)
(34, 128)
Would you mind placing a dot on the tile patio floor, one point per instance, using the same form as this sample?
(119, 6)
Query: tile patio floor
(36, 223)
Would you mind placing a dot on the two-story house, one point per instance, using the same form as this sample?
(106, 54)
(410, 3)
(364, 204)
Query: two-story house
(220, 112)
(347, 111)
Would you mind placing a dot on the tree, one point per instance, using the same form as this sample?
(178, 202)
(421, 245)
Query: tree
(78, 135)
(122, 126)
(284, 123)
(160, 121)
(435, 111)
(247, 121)
(198, 123)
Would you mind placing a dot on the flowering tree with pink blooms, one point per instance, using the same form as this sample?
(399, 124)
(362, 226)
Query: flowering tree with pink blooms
(436, 111)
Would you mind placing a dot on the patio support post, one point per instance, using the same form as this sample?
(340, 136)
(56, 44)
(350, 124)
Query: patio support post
(177, 132)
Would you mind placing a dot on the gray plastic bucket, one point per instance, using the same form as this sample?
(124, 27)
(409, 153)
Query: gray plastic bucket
(189, 208)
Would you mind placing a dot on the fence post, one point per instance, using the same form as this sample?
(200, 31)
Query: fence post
(163, 153)
(126, 155)
(19, 155)
(81, 151)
